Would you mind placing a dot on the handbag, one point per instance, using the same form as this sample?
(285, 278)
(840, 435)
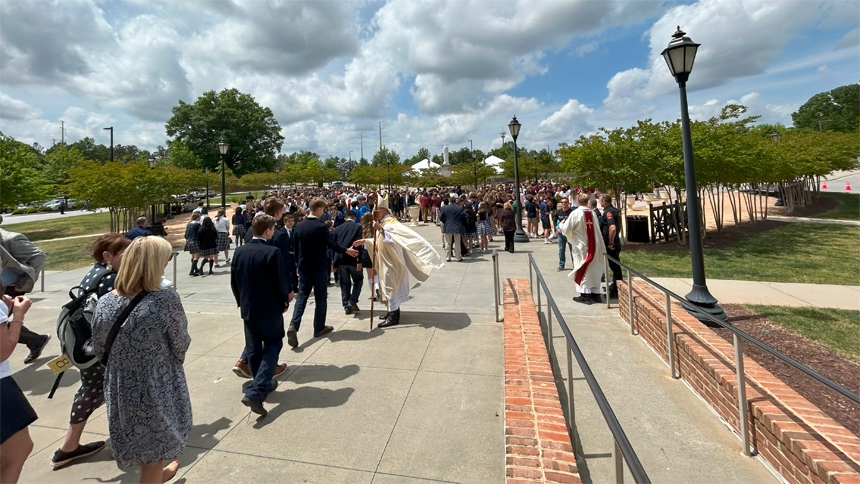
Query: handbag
(114, 331)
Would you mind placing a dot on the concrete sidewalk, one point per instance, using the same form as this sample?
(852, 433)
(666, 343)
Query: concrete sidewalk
(772, 293)
(420, 402)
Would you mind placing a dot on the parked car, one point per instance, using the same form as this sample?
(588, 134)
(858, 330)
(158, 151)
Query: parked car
(53, 204)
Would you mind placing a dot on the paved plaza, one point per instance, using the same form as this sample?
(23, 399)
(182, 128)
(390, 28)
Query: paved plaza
(420, 402)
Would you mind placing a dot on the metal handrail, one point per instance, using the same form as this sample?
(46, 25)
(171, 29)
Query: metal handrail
(794, 363)
(621, 444)
(738, 337)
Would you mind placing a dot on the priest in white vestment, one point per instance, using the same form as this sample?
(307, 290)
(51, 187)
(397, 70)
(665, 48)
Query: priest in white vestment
(402, 255)
(582, 229)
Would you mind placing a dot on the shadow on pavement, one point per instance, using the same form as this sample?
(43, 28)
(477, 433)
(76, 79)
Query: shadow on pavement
(300, 398)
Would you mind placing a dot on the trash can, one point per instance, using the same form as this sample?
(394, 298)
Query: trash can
(637, 228)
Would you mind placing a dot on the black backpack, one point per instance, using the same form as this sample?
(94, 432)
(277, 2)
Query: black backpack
(74, 325)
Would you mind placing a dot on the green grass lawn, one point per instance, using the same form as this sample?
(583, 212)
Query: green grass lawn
(64, 255)
(795, 252)
(837, 329)
(96, 223)
(849, 207)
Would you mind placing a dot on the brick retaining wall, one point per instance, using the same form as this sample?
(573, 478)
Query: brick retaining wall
(537, 443)
(802, 443)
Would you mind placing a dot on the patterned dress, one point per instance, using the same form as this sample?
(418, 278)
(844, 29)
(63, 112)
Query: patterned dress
(148, 405)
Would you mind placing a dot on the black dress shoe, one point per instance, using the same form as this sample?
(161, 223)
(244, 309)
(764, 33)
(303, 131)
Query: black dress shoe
(255, 406)
(354, 307)
(596, 298)
(36, 352)
(347, 310)
(584, 299)
(292, 337)
(326, 330)
(384, 315)
(393, 319)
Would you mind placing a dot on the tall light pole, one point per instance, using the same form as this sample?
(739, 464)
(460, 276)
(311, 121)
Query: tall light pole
(111, 141)
(223, 147)
(206, 170)
(388, 162)
(474, 164)
(152, 162)
(679, 56)
(780, 202)
(519, 235)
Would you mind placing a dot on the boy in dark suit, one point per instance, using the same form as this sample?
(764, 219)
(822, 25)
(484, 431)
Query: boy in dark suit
(282, 240)
(259, 284)
(348, 267)
(311, 238)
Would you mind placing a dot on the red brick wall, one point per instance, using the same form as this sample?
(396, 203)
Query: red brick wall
(537, 443)
(792, 434)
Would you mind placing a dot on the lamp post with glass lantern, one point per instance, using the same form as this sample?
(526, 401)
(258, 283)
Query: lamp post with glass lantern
(679, 56)
(206, 170)
(519, 236)
(152, 162)
(474, 164)
(223, 147)
(780, 202)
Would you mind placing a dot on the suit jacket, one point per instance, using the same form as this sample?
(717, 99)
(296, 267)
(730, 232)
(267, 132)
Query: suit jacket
(259, 281)
(311, 238)
(344, 236)
(454, 218)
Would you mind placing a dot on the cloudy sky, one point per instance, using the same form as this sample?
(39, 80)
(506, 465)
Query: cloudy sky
(432, 72)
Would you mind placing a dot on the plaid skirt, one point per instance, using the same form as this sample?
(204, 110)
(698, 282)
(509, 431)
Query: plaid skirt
(471, 235)
(239, 230)
(208, 252)
(222, 241)
(485, 227)
(192, 246)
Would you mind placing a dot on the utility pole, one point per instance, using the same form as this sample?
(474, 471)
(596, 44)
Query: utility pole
(380, 136)
(62, 132)
(111, 142)
(362, 146)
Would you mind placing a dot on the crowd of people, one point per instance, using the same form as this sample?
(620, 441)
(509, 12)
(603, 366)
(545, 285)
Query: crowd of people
(288, 244)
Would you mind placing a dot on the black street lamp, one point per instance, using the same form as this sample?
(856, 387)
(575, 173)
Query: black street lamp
(111, 141)
(206, 170)
(679, 56)
(474, 164)
(775, 135)
(152, 162)
(223, 147)
(519, 235)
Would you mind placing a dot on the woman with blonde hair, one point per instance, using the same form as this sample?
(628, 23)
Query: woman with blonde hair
(148, 405)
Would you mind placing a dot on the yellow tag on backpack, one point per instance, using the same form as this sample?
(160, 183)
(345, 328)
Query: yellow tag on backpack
(60, 364)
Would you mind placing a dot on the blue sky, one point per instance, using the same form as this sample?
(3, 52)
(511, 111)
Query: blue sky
(433, 72)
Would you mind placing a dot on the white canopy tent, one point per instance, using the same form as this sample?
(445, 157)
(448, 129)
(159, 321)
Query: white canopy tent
(495, 162)
(424, 164)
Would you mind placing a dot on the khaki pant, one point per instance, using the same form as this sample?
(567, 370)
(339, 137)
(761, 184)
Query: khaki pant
(453, 243)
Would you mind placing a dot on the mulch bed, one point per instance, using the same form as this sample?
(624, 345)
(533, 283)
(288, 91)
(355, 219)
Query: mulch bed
(824, 361)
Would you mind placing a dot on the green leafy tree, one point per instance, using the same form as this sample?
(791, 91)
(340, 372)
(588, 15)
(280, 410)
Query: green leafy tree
(181, 156)
(92, 151)
(385, 156)
(836, 110)
(251, 131)
(20, 177)
(58, 162)
(126, 190)
(422, 154)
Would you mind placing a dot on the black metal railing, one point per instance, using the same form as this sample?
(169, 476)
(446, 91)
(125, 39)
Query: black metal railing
(738, 336)
(621, 448)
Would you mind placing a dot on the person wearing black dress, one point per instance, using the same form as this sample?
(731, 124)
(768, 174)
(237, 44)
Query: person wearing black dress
(207, 240)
